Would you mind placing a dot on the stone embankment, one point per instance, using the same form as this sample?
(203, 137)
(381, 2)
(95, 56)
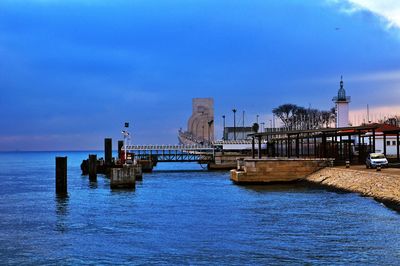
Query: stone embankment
(383, 186)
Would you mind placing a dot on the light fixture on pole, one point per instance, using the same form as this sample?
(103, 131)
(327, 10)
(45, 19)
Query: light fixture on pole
(223, 132)
(234, 123)
(126, 134)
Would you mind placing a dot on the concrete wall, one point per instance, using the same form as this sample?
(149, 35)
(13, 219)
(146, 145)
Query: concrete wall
(123, 177)
(276, 170)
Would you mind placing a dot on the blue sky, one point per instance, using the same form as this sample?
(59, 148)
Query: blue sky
(71, 72)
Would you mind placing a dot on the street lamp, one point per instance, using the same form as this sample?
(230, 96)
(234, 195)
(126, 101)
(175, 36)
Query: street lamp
(223, 132)
(257, 119)
(243, 126)
(234, 123)
(273, 121)
(126, 138)
(262, 126)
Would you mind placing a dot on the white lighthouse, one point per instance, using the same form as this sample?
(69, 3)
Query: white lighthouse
(342, 107)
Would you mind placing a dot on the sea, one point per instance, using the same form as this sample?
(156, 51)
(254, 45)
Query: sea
(182, 214)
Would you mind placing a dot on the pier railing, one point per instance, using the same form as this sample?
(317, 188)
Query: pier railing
(173, 153)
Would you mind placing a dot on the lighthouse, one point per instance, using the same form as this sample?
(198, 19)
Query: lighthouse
(342, 106)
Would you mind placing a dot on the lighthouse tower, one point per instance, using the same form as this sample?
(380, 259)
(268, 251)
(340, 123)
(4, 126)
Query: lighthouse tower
(342, 107)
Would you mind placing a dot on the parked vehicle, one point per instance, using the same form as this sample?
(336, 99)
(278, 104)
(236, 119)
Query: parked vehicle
(375, 159)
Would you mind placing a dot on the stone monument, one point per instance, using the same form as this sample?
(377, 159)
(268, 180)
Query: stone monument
(200, 128)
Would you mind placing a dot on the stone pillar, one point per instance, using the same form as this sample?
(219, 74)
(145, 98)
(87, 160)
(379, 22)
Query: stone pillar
(61, 175)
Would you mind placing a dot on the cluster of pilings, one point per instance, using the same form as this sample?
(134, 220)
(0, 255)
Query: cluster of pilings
(121, 173)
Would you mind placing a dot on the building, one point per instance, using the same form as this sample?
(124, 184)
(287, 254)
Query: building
(385, 143)
(200, 127)
(342, 107)
(237, 133)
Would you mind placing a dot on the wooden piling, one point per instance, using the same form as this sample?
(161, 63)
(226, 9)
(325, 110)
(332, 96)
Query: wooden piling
(61, 175)
(92, 167)
(107, 151)
(120, 145)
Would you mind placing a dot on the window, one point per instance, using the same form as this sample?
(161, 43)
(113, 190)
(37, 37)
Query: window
(393, 142)
(388, 143)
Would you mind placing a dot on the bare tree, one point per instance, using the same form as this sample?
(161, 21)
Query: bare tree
(297, 117)
(285, 113)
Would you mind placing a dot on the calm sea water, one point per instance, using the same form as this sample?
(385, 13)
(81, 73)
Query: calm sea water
(183, 217)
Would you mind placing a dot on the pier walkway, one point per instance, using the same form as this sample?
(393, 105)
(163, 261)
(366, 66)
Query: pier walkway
(173, 153)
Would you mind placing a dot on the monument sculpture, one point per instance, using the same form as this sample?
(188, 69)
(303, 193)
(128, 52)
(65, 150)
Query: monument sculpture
(200, 128)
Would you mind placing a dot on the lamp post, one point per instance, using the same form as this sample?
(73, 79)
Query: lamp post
(262, 126)
(257, 119)
(126, 137)
(273, 120)
(234, 123)
(243, 126)
(223, 132)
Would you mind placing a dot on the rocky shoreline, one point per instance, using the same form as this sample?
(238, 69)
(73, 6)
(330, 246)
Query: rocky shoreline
(382, 186)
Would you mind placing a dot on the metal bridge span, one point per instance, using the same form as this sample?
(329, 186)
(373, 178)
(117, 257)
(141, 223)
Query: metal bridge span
(173, 153)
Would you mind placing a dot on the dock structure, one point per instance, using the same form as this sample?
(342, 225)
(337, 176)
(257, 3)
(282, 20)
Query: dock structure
(343, 144)
(293, 154)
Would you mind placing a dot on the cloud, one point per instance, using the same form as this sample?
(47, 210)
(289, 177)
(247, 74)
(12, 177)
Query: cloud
(389, 76)
(392, 76)
(377, 113)
(387, 10)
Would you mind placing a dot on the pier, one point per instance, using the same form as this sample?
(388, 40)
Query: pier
(293, 155)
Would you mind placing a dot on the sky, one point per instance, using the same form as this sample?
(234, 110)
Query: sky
(72, 72)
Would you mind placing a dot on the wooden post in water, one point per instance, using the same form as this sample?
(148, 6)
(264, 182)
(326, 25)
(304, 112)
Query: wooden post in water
(108, 151)
(120, 145)
(92, 167)
(61, 175)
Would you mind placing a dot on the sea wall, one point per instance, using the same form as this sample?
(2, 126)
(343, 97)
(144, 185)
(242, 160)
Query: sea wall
(275, 169)
(384, 187)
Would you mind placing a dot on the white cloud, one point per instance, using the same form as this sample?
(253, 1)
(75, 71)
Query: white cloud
(387, 10)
